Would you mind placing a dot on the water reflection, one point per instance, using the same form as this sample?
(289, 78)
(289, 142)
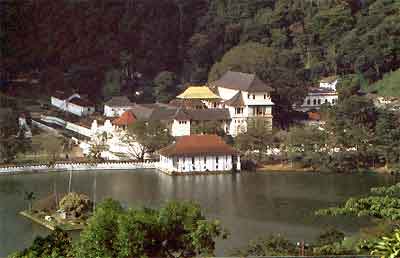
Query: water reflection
(249, 205)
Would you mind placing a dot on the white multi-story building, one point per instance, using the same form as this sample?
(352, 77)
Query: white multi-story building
(116, 106)
(246, 97)
(325, 94)
(199, 153)
(73, 104)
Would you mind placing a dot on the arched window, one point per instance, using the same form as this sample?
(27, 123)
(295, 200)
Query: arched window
(326, 101)
(319, 101)
(314, 101)
(308, 101)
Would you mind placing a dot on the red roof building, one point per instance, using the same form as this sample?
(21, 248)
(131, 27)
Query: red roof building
(199, 153)
(127, 118)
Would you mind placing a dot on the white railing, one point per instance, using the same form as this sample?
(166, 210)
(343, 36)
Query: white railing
(79, 167)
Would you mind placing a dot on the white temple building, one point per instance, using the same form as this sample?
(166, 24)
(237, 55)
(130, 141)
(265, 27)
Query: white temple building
(199, 153)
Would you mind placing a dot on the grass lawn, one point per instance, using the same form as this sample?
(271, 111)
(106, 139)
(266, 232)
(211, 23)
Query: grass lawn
(388, 86)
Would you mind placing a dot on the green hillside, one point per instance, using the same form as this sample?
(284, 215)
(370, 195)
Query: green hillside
(388, 86)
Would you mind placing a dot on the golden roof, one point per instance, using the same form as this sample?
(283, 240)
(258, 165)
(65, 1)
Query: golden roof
(197, 92)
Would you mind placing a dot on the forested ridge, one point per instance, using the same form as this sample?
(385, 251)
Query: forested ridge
(290, 43)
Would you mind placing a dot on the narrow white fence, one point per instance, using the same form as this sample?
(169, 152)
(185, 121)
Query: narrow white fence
(79, 166)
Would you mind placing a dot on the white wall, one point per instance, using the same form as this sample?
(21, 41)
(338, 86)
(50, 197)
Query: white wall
(314, 101)
(257, 98)
(115, 111)
(79, 110)
(180, 128)
(58, 103)
(185, 164)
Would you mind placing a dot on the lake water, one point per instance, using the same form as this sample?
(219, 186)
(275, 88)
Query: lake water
(248, 204)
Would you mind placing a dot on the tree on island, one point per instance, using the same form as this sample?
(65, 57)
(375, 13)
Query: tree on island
(30, 197)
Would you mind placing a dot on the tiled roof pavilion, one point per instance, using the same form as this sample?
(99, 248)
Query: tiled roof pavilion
(198, 145)
(198, 92)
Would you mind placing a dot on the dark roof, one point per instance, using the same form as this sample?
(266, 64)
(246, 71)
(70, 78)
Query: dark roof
(320, 90)
(82, 102)
(181, 115)
(60, 95)
(141, 112)
(209, 114)
(198, 145)
(119, 101)
(242, 81)
(187, 103)
(235, 101)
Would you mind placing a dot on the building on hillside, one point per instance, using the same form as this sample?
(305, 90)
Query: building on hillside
(199, 153)
(74, 104)
(180, 120)
(329, 82)
(202, 93)
(116, 106)
(317, 96)
(246, 97)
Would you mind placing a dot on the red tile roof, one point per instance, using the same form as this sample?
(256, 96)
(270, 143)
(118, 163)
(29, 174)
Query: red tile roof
(198, 145)
(127, 118)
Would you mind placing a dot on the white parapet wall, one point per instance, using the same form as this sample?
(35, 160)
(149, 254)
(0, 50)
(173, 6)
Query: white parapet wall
(79, 167)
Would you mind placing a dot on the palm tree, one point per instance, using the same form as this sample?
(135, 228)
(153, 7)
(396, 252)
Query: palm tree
(30, 197)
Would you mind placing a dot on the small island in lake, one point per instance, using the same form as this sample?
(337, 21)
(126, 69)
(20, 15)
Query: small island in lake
(70, 213)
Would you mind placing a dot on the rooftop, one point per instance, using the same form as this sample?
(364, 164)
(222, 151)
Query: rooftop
(198, 92)
(242, 81)
(329, 79)
(127, 118)
(119, 101)
(235, 101)
(198, 145)
(82, 102)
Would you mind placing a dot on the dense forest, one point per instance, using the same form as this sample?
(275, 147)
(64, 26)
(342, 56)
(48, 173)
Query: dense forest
(104, 47)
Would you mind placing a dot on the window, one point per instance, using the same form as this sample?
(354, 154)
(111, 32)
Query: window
(333, 101)
(326, 101)
(254, 96)
(265, 96)
(315, 102)
(192, 160)
(248, 96)
(216, 161)
(319, 101)
(239, 110)
(308, 101)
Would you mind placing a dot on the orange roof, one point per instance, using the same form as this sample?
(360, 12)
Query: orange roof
(198, 145)
(127, 118)
(315, 116)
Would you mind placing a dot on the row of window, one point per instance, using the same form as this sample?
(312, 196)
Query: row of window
(254, 96)
(183, 122)
(319, 101)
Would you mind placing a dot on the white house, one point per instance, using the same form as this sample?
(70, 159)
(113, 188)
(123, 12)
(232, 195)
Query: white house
(74, 104)
(116, 106)
(199, 153)
(246, 97)
(325, 94)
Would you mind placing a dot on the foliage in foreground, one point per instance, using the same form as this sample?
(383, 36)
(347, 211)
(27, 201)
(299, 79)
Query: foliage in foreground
(178, 229)
(383, 204)
(56, 245)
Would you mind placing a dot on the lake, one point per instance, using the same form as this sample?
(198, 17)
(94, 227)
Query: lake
(248, 204)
